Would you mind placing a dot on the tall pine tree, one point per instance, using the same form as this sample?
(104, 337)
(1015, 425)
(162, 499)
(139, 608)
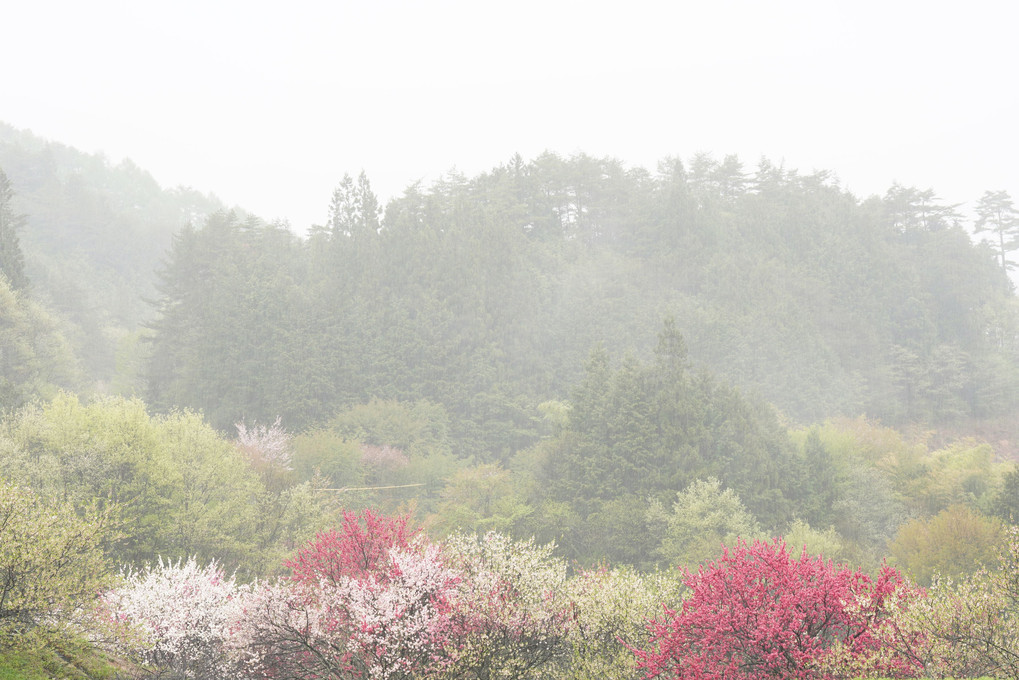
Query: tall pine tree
(12, 262)
(997, 214)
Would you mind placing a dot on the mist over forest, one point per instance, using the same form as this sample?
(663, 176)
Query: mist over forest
(637, 364)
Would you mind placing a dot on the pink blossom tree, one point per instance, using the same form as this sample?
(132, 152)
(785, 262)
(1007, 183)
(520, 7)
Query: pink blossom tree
(758, 612)
(390, 624)
(368, 600)
(373, 600)
(385, 457)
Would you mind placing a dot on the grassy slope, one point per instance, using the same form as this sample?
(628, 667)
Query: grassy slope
(69, 662)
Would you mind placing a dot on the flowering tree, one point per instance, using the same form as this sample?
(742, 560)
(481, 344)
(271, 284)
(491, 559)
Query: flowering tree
(177, 617)
(513, 614)
(759, 612)
(388, 624)
(360, 547)
(386, 457)
(269, 445)
(970, 628)
(613, 607)
(370, 599)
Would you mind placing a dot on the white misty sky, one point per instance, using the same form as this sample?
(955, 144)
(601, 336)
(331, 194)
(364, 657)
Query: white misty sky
(267, 105)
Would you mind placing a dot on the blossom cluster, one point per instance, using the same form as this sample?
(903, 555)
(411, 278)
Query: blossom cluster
(381, 625)
(384, 457)
(266, 444)
(178, 616)
(376, 600)
(758, 611)
(372, 599)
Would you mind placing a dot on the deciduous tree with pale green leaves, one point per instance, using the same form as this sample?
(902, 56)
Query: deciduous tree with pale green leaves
(703, 518)
(613, 607)
(954, 543)
(184, 489)
(967, 627)
(52, 566)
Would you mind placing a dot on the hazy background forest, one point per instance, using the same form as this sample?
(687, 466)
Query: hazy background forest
(637, 363)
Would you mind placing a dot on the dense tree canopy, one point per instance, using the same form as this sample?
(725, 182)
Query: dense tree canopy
(183, 489)
(484, 294)
(12, 260)
(92, 234)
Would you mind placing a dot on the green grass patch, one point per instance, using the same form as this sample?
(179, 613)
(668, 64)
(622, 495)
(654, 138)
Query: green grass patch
(66, 661)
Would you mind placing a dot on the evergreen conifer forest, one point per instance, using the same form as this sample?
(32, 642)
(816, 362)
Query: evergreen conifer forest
(564, 419)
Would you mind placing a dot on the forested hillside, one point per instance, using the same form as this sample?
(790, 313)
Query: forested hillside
(92, 235)
(487, 294)
(612, 335)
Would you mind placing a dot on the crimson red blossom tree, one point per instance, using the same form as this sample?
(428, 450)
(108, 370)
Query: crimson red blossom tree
(759, 612)
(361, 546)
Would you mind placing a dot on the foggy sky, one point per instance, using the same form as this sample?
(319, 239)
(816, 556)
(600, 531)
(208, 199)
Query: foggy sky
(268, 106)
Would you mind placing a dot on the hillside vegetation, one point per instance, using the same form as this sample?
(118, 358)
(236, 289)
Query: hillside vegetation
(486, 295)
(589, 362)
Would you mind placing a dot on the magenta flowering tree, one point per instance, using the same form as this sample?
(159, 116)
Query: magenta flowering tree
(360, 547)
(759, 612)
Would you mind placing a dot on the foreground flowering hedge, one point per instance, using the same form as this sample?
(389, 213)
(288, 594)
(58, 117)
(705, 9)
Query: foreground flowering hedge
(369, 600)
(374, 599)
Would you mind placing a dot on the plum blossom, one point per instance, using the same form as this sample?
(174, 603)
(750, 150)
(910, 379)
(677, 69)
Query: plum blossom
(266, 444)
(182, 615)
(383, 626)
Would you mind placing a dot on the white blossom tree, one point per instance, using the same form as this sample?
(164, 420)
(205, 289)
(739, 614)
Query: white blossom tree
(266, 444)
(178, 618)
(514, 611)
